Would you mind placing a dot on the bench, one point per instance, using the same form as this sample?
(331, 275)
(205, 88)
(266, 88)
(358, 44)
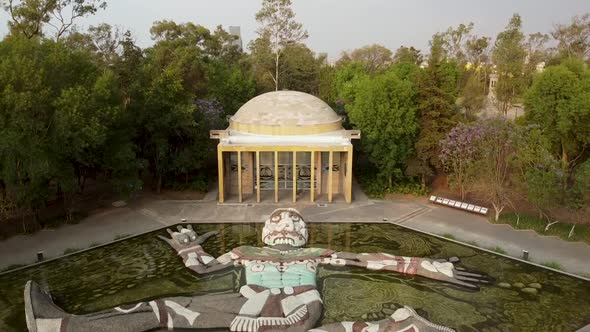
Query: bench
(459, 205)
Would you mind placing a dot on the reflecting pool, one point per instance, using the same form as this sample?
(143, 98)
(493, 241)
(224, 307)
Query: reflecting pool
(145, 267)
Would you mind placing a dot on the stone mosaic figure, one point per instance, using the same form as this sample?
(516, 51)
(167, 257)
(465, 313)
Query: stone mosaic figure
(280, 292)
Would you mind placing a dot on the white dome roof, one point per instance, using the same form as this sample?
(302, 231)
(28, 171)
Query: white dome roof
(285, 113)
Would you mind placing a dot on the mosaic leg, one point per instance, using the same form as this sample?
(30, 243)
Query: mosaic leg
(209, 311)
(402, 320)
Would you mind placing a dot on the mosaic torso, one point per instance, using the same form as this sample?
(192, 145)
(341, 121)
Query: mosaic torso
(273, 268)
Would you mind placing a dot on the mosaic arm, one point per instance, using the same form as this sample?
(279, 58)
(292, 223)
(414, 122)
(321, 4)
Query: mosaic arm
(187, 244)
(442, 270)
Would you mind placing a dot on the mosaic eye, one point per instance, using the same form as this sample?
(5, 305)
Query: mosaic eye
(257, 268)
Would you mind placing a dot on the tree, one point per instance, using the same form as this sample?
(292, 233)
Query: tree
(408, 55)
(458, 154)
(26, 165)
(384, 109)
(436, 108)
(473, 97)
(67, 11)
(496, 147)
(229, 85)
(578, 195)
(326, 87)
(536, 172)
(280, 28)
(477, 50)
(374, 58)
(509, 57)
(29, 16)
(300, 69)
(180, 79)
(558, 102)
(574, 39)
(536, 53)
(83, 121)
(454, 40)
(63, 114)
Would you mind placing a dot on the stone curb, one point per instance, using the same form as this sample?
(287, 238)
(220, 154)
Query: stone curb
(369, 221)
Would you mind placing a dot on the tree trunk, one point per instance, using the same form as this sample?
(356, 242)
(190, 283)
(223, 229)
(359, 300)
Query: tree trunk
(81, 183)
(498, 209)
(571, 231)
(564, 157)
(159, 184)
(24, 223)
(423, 182)
(277, 72)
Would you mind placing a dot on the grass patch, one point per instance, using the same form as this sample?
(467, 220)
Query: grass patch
(553, 265)
(71, 250)
(95, 244)
(498, 250)
(581, 232)
(448, 236)
(473, 243)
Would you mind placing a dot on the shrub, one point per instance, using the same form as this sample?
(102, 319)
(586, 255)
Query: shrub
(376, 187)
(449, 236)
(409, 188)
(499, 250)
(553, 265)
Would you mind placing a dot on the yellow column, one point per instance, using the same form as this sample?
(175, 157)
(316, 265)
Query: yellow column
(330, 173)
(320, 172)
(349, 175)
(220, 172)
(239, 176)
(294, 168)
(312, 185)
(257, 176)
(276, 176)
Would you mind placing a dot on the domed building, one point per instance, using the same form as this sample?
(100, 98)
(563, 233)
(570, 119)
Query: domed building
(285, 146)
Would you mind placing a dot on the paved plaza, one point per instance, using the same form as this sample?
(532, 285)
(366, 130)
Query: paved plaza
(146, 215)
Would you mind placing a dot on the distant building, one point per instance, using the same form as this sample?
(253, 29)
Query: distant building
(493, 82)
(235, 31)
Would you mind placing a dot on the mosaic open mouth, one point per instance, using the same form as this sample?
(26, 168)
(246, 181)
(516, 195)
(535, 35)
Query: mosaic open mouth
(284, 240)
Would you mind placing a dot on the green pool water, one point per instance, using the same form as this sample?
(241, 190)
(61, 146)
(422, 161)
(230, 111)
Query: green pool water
(145, 267)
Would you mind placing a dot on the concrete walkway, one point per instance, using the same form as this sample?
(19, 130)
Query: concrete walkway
(417, 214)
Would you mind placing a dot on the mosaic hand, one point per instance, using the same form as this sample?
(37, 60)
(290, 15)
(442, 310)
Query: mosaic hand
(444, 270)
(185, 237)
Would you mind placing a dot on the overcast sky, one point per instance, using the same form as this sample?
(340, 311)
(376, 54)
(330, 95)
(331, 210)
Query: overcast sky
(338, 25)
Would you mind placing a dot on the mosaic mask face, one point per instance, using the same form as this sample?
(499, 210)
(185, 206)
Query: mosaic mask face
(285, 226)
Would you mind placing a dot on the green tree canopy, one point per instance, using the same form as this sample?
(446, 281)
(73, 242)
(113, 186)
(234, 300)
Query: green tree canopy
(509, 57)
(384, 109)
(559, 102)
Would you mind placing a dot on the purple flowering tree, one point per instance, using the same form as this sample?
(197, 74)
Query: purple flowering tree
(494, 165)
(480, 157)
(458, 154)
